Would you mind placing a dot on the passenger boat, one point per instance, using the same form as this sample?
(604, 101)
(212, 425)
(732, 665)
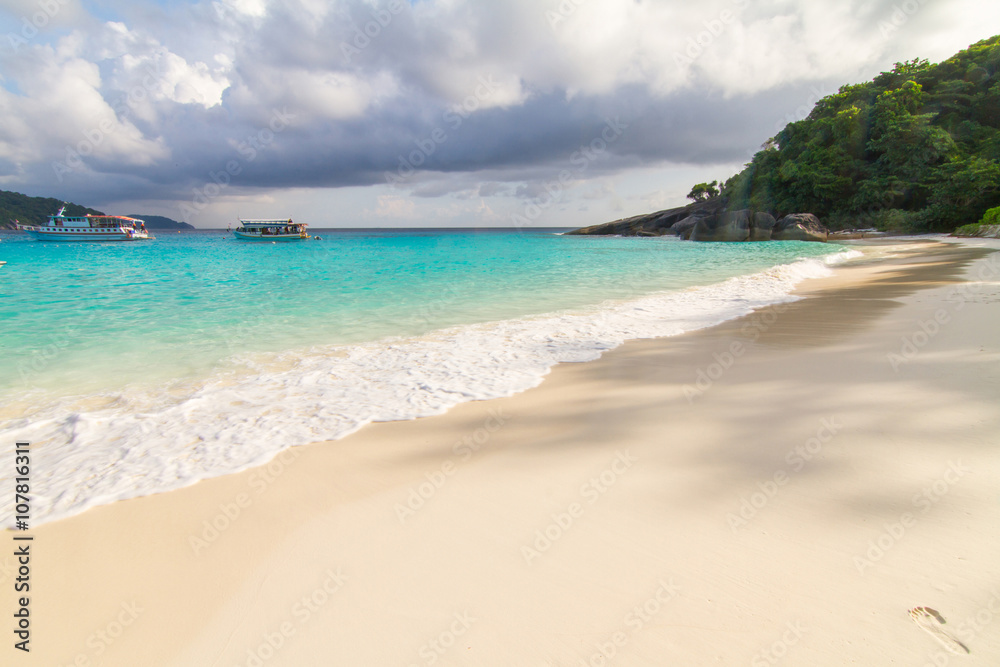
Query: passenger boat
(271, 230)
(62, 227)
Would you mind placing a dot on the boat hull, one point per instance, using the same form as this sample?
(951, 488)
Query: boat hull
(270, 237)
(84, 236)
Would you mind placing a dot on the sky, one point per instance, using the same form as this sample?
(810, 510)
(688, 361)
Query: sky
(426, 113)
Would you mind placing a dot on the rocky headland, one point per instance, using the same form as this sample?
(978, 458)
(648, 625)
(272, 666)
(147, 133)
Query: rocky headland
(711, 221)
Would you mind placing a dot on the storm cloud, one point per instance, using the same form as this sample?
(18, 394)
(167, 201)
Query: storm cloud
(461, 109)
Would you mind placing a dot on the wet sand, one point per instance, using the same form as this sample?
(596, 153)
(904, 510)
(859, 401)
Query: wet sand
(779, 489)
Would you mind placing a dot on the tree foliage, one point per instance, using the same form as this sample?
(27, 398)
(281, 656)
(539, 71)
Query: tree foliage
(34, 210)
(917, 147)
(703, 191)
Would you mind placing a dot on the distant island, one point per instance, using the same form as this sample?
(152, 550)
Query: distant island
(915, 150)
(160, 222)
(36, 211)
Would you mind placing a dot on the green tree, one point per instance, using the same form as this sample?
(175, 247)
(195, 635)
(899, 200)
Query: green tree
(918, 145)
(964, 191)
(703, 191)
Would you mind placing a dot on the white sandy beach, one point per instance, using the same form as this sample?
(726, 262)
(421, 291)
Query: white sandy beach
(780, 489)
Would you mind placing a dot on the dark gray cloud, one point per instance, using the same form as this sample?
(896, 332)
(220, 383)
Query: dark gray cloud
(142, 101)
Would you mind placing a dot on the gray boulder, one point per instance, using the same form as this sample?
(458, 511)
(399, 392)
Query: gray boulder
(800, 227)
(727, 226)
(709, 221)
(654, 224)
(684, 227)
(734, 226)
(762, 226)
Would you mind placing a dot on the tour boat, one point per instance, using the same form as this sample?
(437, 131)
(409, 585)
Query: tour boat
(62, 227)
(271, 230)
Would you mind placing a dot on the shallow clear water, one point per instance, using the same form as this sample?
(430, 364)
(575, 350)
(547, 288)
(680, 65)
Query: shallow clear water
(148, 365)
(97, 315)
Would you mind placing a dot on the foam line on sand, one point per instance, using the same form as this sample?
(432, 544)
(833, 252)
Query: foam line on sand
(779, 489)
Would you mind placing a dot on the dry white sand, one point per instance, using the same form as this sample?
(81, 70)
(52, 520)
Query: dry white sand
(780, 489)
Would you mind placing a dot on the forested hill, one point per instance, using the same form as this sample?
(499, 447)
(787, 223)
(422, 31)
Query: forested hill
(34, 210)
(916, 149)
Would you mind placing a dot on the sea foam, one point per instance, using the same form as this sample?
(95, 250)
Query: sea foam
(139, 442)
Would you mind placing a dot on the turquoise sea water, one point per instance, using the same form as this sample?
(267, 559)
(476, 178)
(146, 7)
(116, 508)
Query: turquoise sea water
(97, 315)
(166, 355)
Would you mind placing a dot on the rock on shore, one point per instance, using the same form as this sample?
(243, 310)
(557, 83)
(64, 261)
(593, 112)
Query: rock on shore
(710, 221)
(800, 227)
(668, 221)
(742, 225)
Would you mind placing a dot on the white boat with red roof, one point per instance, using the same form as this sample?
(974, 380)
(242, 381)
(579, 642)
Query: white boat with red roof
(62, 227)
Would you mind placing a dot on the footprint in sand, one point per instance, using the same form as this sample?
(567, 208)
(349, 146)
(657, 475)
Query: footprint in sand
(931, 621)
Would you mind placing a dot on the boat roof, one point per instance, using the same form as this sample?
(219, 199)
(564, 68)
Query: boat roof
(91, 215)
(268, 223)
(116, 217)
